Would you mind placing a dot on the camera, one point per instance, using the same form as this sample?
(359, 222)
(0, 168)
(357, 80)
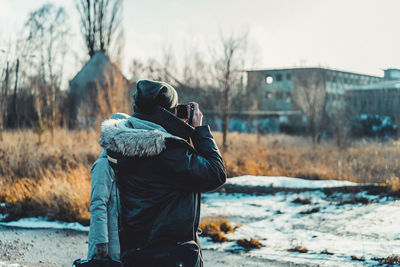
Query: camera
(185, 113)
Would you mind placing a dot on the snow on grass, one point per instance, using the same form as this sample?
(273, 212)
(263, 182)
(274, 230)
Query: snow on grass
(332, 228)
(286, 182)
(367, 231)
(40, 223)
(5, 264)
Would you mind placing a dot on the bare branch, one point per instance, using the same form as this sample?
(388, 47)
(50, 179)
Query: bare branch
(100, 21)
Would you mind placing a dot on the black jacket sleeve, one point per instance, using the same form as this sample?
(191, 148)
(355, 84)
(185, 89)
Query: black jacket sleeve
(197, 170)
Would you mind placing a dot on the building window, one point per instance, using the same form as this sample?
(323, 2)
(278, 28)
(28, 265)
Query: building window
(288, 77)
(279, 95)
(279, 77)
(269, 79)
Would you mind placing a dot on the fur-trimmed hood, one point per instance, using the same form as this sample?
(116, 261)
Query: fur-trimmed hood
(134, 137)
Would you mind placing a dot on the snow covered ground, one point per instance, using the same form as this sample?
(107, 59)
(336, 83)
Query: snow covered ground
(43, 223)
(286, 182)
(329, 227)
(333, 228)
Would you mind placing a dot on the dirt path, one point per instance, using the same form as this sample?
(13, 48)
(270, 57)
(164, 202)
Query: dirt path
(49, 247)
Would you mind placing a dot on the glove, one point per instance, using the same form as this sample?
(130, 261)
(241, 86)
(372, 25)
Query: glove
(102, 250)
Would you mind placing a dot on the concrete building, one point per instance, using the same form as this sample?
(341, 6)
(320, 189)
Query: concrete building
(382, 98)
(272, 87)
(277, 90)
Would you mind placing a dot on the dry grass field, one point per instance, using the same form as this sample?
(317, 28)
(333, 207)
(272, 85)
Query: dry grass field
(52, 178)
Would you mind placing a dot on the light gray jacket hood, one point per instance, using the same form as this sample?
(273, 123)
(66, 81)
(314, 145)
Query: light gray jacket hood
(134, 137)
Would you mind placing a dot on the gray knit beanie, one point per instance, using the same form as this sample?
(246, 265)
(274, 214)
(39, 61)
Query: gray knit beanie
(152, 93)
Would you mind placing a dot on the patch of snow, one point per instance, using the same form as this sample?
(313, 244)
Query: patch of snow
(286, 182)
(39, 222)
(5, 264)
(345, 230)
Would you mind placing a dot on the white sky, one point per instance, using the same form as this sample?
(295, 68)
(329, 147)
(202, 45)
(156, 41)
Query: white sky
(354, 35)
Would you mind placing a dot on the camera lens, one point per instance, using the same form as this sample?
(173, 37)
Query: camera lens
(181, 112)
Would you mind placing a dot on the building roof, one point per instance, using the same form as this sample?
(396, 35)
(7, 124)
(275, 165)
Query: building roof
(310, 68)
(388, 85)
(93, 70)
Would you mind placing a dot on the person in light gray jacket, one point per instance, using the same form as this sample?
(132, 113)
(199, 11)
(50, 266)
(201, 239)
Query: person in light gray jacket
(103, 233)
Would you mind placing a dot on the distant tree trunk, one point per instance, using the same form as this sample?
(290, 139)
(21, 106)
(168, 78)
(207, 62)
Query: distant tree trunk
(225, 106)
(313, 130)
(225, 121)
(15, 110)
(4, 103)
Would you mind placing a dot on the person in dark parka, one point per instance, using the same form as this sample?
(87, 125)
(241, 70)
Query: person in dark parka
(160, 177)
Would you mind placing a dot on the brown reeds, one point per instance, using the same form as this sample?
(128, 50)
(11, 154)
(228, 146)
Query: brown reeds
(51, 178)
(282, 155)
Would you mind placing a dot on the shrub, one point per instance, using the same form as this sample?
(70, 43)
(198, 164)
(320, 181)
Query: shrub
(311, 211)
(373, 125)
(215, 228)
(355, 258)
(326, 252)
(356, 200)
(298, 249)
(249, 244)
(391, 260)
(303, 201)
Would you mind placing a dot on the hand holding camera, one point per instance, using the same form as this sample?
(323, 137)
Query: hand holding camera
(190, 113)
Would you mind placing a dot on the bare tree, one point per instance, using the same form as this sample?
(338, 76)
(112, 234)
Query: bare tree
(228, 66)
(47, 33)
(17, 56)
(100, 24)
(309, 95)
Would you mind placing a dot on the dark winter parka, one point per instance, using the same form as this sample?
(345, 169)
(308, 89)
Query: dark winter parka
(160, 177)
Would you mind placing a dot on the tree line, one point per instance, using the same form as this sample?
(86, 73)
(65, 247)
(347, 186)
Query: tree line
(32, 66)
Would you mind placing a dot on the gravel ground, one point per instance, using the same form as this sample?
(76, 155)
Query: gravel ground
(49, 247)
